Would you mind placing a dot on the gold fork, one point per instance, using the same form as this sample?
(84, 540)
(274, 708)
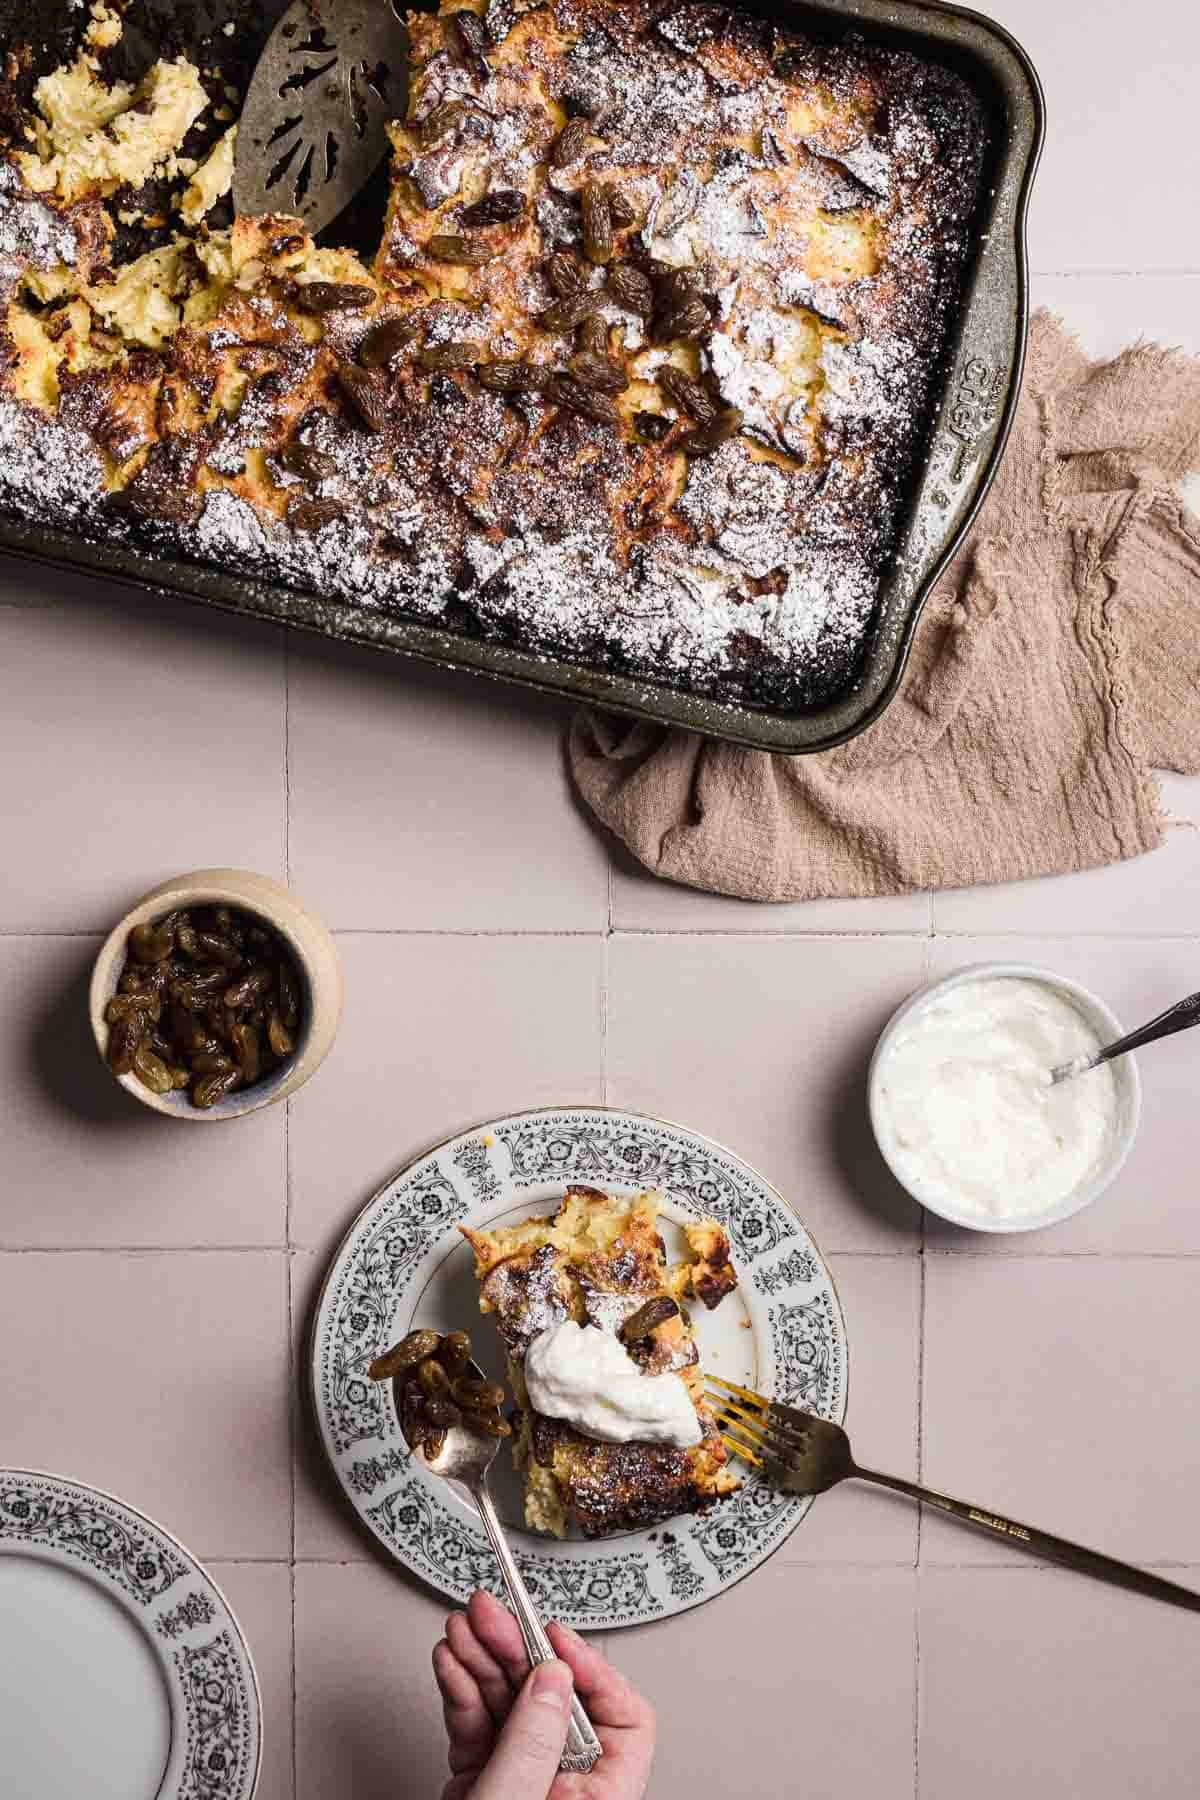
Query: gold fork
(803, 1454)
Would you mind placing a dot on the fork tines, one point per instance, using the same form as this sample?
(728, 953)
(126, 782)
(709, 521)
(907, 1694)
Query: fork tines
(748, 1417)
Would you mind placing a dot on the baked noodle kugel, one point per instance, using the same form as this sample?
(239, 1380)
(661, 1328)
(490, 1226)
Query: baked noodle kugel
(637, 377)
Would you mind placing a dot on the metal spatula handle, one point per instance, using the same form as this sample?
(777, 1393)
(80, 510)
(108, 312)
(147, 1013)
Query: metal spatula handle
(583, 1748)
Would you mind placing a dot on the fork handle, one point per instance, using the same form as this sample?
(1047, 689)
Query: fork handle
(1043, 1543)
(583, 1749)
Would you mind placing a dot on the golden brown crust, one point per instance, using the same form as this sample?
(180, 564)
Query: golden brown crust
(712, 1275)
(597, 1260)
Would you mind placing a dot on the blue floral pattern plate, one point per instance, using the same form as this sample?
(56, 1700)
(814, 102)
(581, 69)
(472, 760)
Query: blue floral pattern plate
(404, 1264)
(73, 1561)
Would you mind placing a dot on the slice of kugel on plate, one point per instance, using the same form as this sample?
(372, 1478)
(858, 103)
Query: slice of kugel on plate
(600, 1261)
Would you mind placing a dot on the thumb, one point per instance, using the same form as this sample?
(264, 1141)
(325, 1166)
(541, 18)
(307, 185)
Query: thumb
(525, 1761)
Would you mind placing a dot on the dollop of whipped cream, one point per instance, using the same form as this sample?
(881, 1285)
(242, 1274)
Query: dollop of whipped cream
(584, 1376)
(967, 1112)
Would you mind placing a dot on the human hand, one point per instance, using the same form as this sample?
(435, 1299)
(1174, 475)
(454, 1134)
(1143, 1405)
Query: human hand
(507, 1726)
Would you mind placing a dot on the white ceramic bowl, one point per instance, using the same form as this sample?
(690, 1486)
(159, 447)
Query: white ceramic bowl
(316, 962)
(1125, 1075)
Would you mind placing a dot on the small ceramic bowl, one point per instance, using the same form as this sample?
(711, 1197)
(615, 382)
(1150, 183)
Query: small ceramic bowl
(1125, 1075)
(316, 962)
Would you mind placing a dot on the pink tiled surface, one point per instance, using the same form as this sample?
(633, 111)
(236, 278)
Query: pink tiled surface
(438, 1034)
(1108, 74)
(642, 903)
(134, 738)
(881, 1297)
(1036, 1683)
(159, 1376)
(83, 1163)
(368, 1724)
(152, 1278)
(809, 1675)
(1061, 1390)
(387, 831)
(764, 1042)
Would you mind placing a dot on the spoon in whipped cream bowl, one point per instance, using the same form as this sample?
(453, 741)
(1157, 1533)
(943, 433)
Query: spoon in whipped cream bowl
(1180, 1017)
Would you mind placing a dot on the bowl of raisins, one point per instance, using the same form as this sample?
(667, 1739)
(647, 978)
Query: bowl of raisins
(217, 994)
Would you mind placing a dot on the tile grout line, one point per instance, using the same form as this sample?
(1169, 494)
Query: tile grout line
(292, 1417)
(144, 1250)
(287, 759)
(917, 1684)
(922, 1295)
(605, 972)
(1109, 273)
(295, 1708)
(447, 931)
(1033, 1565)
(922, 1292)
(288, 1252)
(293, 1388)
(289, 1323)
(604, 976)
(287, 1238)
(924, 934)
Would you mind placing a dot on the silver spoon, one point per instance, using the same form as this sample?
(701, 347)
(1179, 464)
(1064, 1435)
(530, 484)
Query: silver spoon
(465, 1457)
(1180, 1017)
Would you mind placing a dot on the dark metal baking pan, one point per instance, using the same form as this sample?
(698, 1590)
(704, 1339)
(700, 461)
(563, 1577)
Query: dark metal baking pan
(977, 397)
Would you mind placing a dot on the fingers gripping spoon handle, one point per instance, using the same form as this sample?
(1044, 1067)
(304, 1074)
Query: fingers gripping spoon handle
(583, 1749)
(465, 1456)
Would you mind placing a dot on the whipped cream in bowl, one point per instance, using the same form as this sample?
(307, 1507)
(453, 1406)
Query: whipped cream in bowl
(966, 1115)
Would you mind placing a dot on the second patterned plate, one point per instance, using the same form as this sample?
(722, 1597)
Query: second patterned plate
(404, 1264)
(123, 1673)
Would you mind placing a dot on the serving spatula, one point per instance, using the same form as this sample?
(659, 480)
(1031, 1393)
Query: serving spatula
(313, 127)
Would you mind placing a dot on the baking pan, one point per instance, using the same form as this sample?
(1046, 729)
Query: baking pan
(976, 397)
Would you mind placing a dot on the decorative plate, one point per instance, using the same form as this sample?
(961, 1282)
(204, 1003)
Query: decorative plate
(123, 1672)
(404, 1264)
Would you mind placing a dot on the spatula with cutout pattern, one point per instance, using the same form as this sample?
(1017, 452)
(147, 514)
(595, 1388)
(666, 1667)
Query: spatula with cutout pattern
(312, 130)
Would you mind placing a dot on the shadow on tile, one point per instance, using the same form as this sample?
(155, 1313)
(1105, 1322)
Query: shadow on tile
(368, 1723)
(373, 1763)
(27, 585)
(468, 772)
(869, 1183)
(63, 1055)
(453, 687)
